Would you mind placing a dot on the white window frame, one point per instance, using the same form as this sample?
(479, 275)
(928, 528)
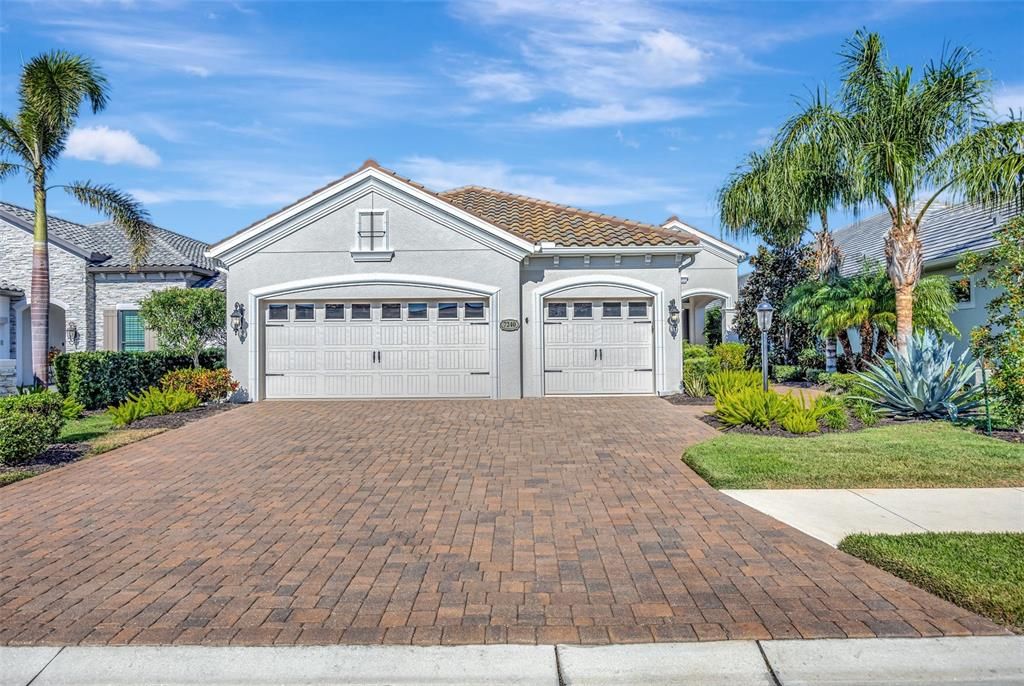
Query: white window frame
(969, 304)
(645, 315)
(401, 312)
(583, 302)
(612, 302)
(408, 314)
(382, 253)
(547, 310)
(294, 311)
(484, 311)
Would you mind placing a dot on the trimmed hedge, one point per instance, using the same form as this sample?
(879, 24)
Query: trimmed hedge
(28, 423)
(104, 378)
(701, 367)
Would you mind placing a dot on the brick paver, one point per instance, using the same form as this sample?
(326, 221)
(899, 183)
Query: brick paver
(425, 522)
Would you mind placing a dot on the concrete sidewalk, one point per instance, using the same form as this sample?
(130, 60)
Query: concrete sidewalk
(831, 514)
(969, 660)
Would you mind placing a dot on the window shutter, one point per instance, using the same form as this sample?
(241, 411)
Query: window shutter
(150, 338)
(110, 330)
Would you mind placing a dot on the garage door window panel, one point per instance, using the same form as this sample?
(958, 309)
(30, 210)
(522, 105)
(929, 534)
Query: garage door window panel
(474, 310)
(305, 312)
(277, 313)
(448, 310)
(361, 311)
(611, 310)
(637, 310)
(582, 310)
(417, 311)
(391, 311)
(334, 311)
(557, 311)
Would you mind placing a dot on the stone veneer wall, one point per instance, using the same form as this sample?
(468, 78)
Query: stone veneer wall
(127, 289)
(68, 282)
(8, 384)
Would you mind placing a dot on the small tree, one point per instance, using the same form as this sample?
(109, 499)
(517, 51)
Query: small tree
(186, 320)
(777, 270)
(1001, 339)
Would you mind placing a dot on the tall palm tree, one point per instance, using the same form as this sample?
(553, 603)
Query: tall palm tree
(758, 200)
(904, 140)
(52, 90)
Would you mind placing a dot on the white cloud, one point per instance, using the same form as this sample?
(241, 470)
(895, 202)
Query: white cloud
(194, 70)
(596, 185)
(608, 114)
(1008, 97)
(235, 183)
(509, 86)
(109, 146)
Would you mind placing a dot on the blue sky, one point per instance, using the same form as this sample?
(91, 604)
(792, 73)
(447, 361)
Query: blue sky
(223, 112)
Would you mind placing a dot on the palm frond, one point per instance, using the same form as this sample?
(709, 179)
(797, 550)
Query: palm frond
(124, 210)
(55, 84)
(12, 140)
(8, 169)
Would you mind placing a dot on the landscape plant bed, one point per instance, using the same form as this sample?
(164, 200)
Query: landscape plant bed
(981, 572)
(899, 455)
(56, 455)
(776, 430)
(177, 419)
(683, 399)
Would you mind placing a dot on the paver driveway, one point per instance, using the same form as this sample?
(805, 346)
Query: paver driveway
(555, 520)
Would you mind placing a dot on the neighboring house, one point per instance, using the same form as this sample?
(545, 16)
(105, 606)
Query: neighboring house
(375, 286)
(94, 293)
(947, 233)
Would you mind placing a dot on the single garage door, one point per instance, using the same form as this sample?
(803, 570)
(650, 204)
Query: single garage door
(598, 346)
(402, 349)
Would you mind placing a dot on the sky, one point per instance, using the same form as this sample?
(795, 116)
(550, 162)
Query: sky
(222, 112)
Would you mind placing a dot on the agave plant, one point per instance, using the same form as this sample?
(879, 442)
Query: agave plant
(926, 382)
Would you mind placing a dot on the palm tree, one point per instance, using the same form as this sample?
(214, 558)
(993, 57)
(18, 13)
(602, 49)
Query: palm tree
(758, 200)
(902, 140)
(52, 90)
(825, 304)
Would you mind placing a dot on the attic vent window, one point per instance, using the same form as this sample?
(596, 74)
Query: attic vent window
(373, 240)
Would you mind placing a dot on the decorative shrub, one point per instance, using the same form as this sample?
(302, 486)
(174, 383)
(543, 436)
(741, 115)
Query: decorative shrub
(692, 351)
(207, 384)
(153, 401)
(72, 409)
(100, 379)
(861, 410)
(927, 381)
(753, 407)
(787, 372)
(811, 358)
(713, 325)
(839, 382)
(830, 410)
(731, 355)
(725, 382)
(700, 367)
(799, 420)
(695, 386)
(28, 423)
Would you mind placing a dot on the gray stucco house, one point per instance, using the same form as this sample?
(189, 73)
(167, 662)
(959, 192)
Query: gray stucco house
(376, 286)
(947, 233)
(94, 294)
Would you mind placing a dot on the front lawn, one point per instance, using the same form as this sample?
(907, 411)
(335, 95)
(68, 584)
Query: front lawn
(87, 428)
(907, 455)
(983, 573)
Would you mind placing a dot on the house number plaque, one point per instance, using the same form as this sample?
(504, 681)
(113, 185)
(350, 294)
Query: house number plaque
(509, 325)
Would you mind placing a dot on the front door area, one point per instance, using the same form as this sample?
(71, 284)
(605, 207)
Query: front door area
(392, 349)
(598, 347)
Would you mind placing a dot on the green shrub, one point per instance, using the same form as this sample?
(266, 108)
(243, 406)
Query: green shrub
(816, 376)
(830, 410)
(799, 420)
(731, 355)
(207, 384)
(730, 381)
(811, 358)
(753, 407)
(839, 382)
(861, 410)
(28, 423)
(787, 372)
(694, 351)
(151, 402)
(72, 409)
(700, 367)
(100, 379)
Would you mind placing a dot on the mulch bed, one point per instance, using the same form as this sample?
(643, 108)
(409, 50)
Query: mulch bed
(1003, 434)
(173, 421)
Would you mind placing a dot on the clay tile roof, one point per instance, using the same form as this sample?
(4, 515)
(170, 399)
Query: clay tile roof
(540, 220)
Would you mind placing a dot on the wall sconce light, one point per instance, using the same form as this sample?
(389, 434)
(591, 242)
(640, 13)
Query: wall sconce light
(238, 320)
(673, 317)
(71, 336)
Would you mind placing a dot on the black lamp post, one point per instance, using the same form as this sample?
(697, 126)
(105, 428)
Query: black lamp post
(764, 322)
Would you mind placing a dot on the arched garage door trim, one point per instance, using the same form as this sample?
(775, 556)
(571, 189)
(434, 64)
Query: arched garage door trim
(445, 285)
(563, 287)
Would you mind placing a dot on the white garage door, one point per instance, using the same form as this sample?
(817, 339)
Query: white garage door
(408, 349)
(598, 346)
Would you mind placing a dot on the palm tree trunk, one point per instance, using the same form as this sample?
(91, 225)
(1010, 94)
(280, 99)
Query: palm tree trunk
(39, 308)
(828, 258)
(881, 347)
(844, 340)
(830, 354)
(903, 265)
(867, 341)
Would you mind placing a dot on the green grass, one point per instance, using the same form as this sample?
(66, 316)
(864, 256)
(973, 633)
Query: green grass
(86, 428)
(10, 477)
(983, 573)
(925, 454)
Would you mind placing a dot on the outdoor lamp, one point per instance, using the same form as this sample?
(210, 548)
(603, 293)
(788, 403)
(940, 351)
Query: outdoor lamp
(764, 315)
(673, 316)
(764, 322)
(71, 335)
(237, 319)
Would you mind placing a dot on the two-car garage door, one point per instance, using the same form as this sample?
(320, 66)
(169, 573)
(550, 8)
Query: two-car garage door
(415, 349)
